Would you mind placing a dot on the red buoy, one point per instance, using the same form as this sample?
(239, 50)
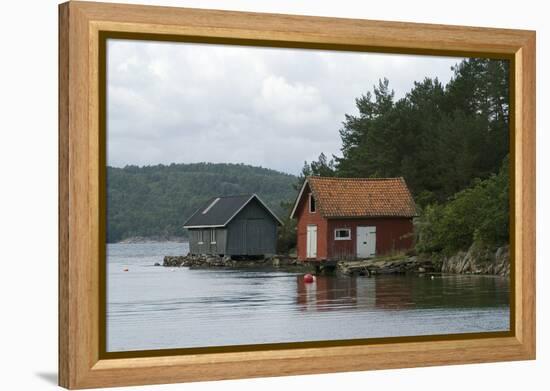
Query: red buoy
(308, 278)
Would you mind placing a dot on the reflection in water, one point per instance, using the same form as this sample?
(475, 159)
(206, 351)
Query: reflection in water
(326, 293)
(161, 308)
(402, 292)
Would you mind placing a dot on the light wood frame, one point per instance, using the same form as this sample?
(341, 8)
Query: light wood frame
(81, 364)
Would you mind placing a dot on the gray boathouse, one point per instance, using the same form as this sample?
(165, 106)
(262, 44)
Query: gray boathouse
(240, 225)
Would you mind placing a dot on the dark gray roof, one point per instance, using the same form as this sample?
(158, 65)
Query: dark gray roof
(219, 211)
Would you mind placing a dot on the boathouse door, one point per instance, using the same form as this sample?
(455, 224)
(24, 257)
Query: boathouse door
(311, 242)
(366, 242)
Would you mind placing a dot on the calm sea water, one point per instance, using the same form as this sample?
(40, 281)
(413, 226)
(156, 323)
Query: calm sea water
(158, 308)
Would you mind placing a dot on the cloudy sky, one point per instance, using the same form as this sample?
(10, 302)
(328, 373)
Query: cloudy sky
(275, 108)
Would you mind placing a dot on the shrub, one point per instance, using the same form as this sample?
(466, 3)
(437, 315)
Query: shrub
(478, 214)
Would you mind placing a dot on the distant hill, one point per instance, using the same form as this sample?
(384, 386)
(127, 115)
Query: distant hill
(154, 201)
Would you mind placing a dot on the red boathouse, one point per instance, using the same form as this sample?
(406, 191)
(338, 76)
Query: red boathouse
(347, 218)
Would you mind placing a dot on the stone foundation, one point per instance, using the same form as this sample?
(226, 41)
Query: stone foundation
(473, 261)
(202, 261)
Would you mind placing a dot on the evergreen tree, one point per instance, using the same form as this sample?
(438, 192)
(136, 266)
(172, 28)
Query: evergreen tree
(321, 167)
(440, 138)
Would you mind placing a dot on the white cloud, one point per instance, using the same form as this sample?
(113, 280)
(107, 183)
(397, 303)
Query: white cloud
(294, 106)
(174, 102)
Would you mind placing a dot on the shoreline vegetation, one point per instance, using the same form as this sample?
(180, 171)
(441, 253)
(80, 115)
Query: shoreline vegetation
(479, 261)
(154, 201)
(476, 260)
(450, 143)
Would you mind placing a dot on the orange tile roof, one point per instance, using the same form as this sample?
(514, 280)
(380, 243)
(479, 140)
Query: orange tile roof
(362, 197)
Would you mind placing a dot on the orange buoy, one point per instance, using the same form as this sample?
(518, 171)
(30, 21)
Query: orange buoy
(308, 278)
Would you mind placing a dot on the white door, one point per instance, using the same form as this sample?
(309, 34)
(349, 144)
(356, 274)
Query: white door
(366, 242)
(311, 241)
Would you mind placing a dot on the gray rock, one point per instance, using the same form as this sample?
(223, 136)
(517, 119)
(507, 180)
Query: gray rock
(479, 261)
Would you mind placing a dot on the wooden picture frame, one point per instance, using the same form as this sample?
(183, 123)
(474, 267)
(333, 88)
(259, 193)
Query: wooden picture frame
(83, 28)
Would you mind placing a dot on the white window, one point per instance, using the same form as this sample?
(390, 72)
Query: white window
(312, 206)
(342, 234)
(213, 236)
(200, 236)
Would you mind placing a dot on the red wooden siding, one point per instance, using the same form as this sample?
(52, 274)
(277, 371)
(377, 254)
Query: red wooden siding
(349, 203)
(392, 234)
(306, 218)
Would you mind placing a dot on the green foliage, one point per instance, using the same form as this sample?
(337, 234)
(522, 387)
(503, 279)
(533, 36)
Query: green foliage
(477, 214)
(447, 141)
(154, 201)
(321, 167)
(286, 234)
(439, 138)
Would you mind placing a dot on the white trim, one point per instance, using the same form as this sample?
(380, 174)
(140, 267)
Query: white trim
(369, 245)
(298, 199)
(190, 217)
(311, 197)
(203, 226)
(269, 210)
(234, 214)
(342, 229)
(311, 241)
(246, 203)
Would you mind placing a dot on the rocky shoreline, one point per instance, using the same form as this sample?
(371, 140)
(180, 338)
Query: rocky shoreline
(388, 265)
(479, 261)
(473, 261)
(207, 261)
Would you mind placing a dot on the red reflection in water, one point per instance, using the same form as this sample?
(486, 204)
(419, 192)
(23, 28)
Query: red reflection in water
(326, 293)
(333, 293)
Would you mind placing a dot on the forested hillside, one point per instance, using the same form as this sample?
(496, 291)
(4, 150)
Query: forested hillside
(154, 201)
(450, 143)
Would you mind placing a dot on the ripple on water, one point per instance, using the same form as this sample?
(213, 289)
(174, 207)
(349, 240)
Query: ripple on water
(159, 308)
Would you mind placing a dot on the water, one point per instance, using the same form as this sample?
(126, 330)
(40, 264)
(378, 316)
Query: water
(165, 308)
